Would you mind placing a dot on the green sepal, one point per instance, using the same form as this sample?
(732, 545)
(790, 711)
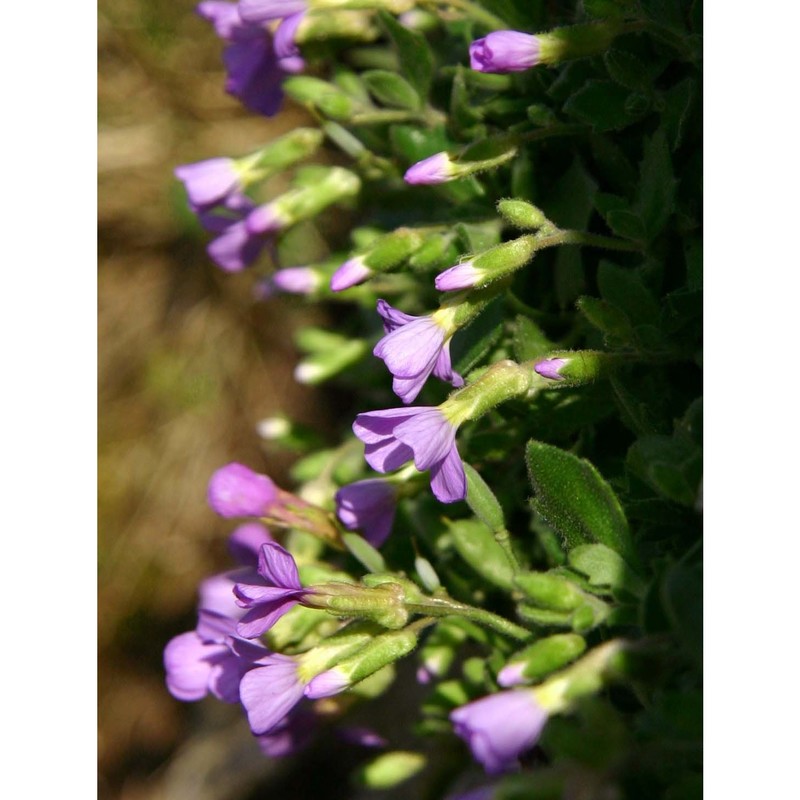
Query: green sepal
(477, 546)
(391, 90)
(605, 568)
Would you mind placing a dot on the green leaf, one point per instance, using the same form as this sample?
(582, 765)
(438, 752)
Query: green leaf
(627, 70)
(603, 105)
(670, 466)
(462, 108)
(364, 552)
(678, 105)
(657, 189)
(569, 204)
(414, 52)
(477, 546)
(682, 598)
(391, 90)
(413, 144)
(470, 345)
(529, 340)
(605, 568)
(624, 289)
(481, 499)
(606, 318)
(608, 9)
(626, 224)
(575, 500)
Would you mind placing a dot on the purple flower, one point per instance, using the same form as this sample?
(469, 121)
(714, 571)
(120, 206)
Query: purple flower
(236, 491)
(254, 71)
(268, 10)
(244, 544)
(269, 594)
(549, 368)
(351, 273)
(397, 435)
(235, 247)
(209, 182)
(203, 661)
(412, 349)
(437, 168)
(504, 51)
(286, 49)
(368, 506)
(269, 691)
(499, 727)
(291, 734)
(461, 276)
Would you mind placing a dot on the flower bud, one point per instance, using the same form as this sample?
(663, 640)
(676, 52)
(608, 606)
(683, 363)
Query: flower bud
(385, 254)
(550, 591)
(574, 368)
(326, 97)
(489, 266)
(521, 214)
(381, 651)
(442, 167)
(286, 150)
(541, 658)
(236, 491)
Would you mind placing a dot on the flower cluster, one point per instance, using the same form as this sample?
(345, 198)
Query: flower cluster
(515, 573)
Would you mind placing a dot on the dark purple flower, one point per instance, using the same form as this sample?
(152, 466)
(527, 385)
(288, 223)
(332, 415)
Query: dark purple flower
(437, 168)
(269, 594)
(351, 273)
(268, 10)
(368, 506)
(549, 368)
(397, 435)
(499, 727)
(209, 182)
(504, 51)
(413, 348)
(269, 691)
(254, 71)
(236, 491)
(203, 661)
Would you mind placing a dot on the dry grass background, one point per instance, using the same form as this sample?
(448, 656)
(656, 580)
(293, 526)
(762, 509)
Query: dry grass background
(188, 364)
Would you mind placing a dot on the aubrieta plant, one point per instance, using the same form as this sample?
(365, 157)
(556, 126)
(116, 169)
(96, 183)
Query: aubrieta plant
(513, 281)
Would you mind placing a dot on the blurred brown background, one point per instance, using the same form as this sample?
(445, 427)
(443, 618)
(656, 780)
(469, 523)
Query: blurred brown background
(188, 365)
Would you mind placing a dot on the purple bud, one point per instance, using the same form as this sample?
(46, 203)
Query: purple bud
(236, 491)
(267, 10)
(499, 727)
(351, 273)
(264, 219)
(326, 684)
(504, 51)
(511, 675)
(291, 280)
(209, 182)
(461, 276)
(549, 368)
(434, 169)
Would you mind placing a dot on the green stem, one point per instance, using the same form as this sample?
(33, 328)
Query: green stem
(588, 239)
(475, 12)
(445, 607)
(503, 538)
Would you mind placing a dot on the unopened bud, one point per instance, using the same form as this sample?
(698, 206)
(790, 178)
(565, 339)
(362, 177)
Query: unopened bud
(521, 214)
(443, 167)
(574, 368)
(489, 266)
(382, 650)
(541, 658)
